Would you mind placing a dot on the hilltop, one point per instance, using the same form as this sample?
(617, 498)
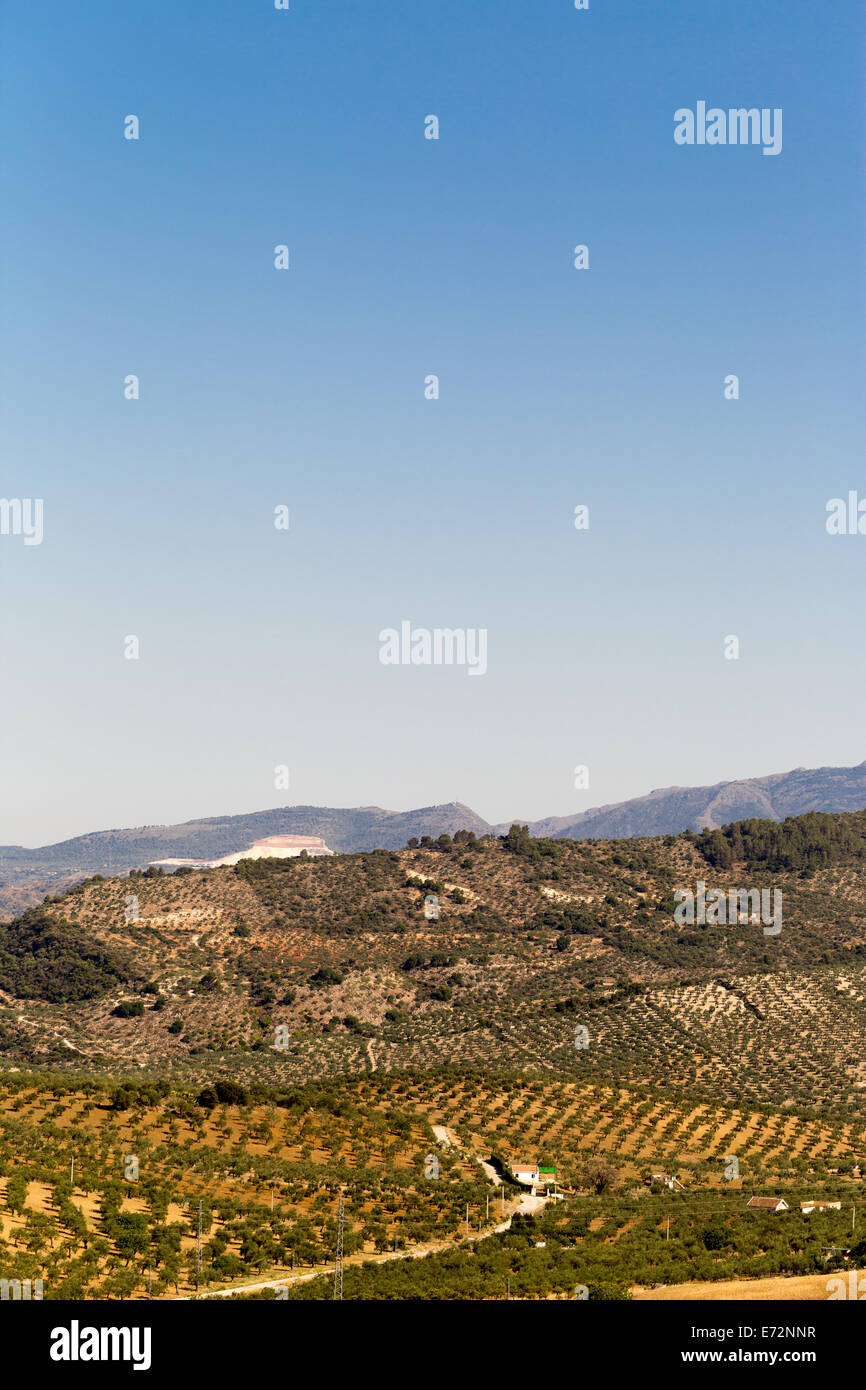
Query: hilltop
(26, 875)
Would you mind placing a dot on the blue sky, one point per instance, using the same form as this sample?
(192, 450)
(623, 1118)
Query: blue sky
(409, 257)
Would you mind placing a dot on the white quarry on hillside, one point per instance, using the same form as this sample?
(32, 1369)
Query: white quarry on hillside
(272, 847)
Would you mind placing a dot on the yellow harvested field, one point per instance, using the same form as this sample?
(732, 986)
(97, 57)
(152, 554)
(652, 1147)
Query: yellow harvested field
(807, 1288)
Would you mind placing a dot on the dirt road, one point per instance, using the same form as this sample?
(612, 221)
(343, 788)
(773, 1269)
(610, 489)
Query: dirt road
(525, 1204)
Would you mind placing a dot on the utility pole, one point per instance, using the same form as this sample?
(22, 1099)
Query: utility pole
(668, 1236)
(272, 1200)
(198, 1242)
(72, 1172)
(467, 1220)
(487, 1217)
(338, 1263)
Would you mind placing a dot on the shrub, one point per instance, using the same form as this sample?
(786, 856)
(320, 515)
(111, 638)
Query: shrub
(128, 1008)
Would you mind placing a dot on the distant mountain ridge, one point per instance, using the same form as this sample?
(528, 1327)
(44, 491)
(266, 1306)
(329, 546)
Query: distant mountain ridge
(26, 875)
(670, 810)
(113, 852)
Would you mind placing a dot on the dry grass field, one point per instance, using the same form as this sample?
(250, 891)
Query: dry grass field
(811, 1288)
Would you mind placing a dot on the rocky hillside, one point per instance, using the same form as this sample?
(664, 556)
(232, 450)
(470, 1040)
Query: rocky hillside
(296, 969)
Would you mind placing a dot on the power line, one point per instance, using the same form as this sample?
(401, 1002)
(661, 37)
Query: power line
(338, 1263)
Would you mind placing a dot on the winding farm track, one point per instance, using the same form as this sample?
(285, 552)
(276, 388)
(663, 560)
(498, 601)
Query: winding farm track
(448, 1140)
(799, 1288)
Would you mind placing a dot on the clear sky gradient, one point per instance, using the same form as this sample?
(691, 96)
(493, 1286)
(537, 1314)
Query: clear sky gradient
(409, 256)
